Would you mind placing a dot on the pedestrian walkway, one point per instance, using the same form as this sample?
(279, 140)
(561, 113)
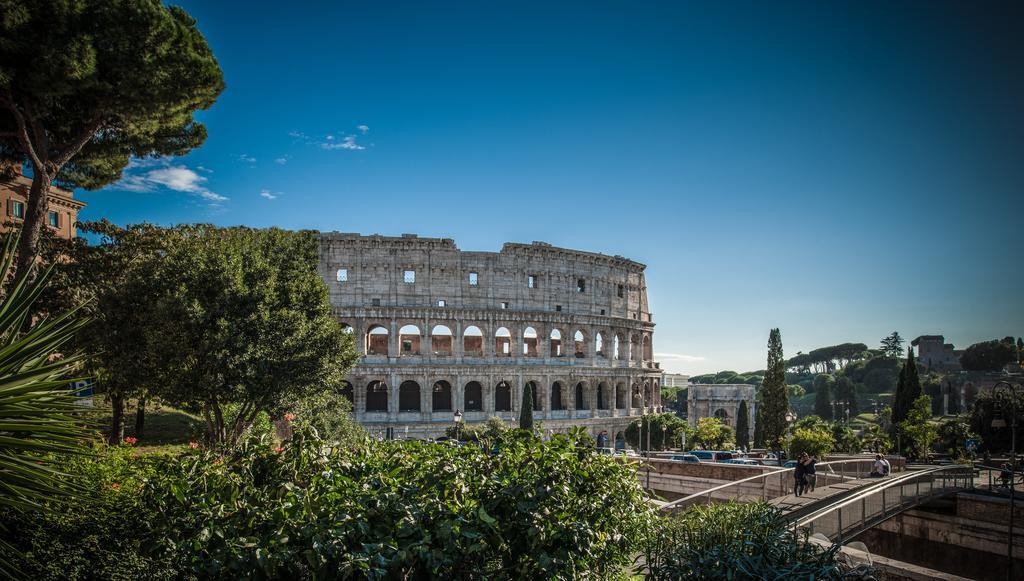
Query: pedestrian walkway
(792, 503)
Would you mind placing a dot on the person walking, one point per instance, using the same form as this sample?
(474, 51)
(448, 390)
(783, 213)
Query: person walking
(799, 477)
(810, 471)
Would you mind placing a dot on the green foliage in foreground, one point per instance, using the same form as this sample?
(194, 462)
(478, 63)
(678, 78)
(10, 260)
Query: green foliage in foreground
(381, 510)
(736, 541)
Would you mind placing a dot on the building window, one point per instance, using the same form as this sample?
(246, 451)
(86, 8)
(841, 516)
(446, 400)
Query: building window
(342, 275)
(441, 303)
(602, 311)
(409, 277)
(375, 302)
(621, 291)
(581, 286)
(531, 281)
(504, 305)
(18, 209)
(472, 279)
(53, 218)
(558, 308)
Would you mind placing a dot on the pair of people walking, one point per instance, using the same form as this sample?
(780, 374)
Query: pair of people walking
(804, 474)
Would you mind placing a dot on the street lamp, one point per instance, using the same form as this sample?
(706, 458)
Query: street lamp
(1001, 423)
(458, 423)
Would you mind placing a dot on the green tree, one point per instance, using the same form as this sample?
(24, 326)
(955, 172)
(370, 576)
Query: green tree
(989, 355)
(712, 434)
(953, 434)
(743, 426)
(776, 402)
(918, 432)
(823, 395)
(846, 394)
(845, 438)
(526, 409)
(666, 431)
(116, 279)
(815, 441)
(243, 318)
(892, 345)
(908, 389)
(86, 85)
(874, 438)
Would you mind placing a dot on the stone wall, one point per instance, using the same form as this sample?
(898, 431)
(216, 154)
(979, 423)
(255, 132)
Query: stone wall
(721, 401)
(439, 330)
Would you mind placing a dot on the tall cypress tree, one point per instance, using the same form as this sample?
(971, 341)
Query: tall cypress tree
(526, 411)
(742, 426)
(775, 399)
(908, 389)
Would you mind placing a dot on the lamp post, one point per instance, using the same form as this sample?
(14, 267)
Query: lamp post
(458, 424)
(1001, 423)
(790, 418)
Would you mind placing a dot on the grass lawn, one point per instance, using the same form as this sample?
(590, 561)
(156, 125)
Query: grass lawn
(167, 430)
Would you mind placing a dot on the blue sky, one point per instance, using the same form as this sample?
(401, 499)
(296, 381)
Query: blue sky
(838, 170)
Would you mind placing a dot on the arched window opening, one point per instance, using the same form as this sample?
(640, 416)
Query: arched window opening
(409, 338)
(556, 396)
(599, 345)
(620, 396)
(473, 342)
(603, 395)
(502, 343)
(723, 416)
(442, 396)
(579, 403)
(347, 329)
(377, 340)
(648, 356)
(530, 343)
(503, 397)
(556, 343)
(637, 397)
(376, 396)
(474, 398)
(346, 391)
(409, 397)
(580, 341)
(634, 348)
(441, 341)
(617, 348)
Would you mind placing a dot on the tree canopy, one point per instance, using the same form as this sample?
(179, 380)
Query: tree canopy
(86, 85)
(908, 389)
(892, 345)
(989, 355)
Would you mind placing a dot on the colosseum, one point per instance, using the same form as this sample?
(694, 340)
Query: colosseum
(442, 330)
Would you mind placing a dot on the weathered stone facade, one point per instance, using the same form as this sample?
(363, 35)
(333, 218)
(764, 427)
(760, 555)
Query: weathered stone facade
(439, 330)
(720, 401)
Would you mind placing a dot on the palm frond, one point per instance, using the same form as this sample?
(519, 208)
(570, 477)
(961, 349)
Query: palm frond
(39, 414)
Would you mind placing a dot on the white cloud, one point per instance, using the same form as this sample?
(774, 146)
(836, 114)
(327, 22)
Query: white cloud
(281, 160)
(348, 143)
(676, 357)
(269, 194)
(363, 128)
(141, 176)
(247, 158)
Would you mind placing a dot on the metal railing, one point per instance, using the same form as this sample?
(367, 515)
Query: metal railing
(845, 518)
(745, 489)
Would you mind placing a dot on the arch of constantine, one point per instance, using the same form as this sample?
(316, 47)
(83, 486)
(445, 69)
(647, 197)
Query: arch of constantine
(440, 330)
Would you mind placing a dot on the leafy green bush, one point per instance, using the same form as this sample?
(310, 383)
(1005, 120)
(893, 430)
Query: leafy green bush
(405, 509)
(735, 541)
(101, 535)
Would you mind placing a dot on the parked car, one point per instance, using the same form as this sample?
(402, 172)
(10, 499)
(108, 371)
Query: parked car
(627, 453)
(712, 455)
(789, 464)
(686, 458)
(744, 461)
